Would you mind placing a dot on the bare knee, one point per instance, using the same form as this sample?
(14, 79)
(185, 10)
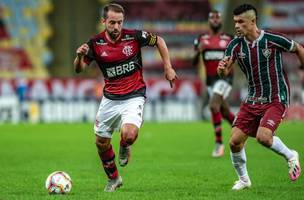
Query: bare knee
(237, 140)
(264, 136)
(235, 145)
(129, 133)
(103, 144)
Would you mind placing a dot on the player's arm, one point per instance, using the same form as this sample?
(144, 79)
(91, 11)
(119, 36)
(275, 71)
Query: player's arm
(170, 73)
(79, 63)
(299, 50)
(198, 51)
(225, 66)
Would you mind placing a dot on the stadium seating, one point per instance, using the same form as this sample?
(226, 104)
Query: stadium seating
(29, 31)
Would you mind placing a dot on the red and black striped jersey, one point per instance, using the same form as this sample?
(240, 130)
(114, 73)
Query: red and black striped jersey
(213, 49)
(121, 62)
(261, 62)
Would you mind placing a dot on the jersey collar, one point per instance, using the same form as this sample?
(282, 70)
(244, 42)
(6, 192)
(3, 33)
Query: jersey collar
(255, 41)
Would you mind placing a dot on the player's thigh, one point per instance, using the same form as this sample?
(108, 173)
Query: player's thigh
(133, 112)
(222, 88)
(107, 118)
(216, 99)
(273, 116)
(247, 120)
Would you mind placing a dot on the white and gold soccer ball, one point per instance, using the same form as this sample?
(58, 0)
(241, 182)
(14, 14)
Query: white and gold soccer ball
(58, 182)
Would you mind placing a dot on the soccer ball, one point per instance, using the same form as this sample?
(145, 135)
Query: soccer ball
(58, 182)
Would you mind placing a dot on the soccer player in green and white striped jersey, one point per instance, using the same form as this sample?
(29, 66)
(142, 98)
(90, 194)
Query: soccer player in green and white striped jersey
(259, 55)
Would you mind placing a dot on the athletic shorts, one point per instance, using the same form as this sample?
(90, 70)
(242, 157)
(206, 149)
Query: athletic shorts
(112, 114)
(220, 87)
(251, 117)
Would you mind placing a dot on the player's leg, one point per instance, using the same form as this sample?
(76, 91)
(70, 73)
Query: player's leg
(129, 133)
(215, 105)
(132, 118)
(265, 136)
(226, 112)
(107, 157)
(107, 119)
(238, 158)
(245, 125)
(220, 91)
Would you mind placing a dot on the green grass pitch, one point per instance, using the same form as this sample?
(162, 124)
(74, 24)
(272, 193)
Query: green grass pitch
(169, 161)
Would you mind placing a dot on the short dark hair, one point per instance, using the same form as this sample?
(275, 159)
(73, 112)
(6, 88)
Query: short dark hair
(244, 8)
(113, 7)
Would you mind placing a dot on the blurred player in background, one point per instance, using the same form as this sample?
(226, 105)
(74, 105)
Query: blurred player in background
(259, 55)
(211, 46)
(117, 51)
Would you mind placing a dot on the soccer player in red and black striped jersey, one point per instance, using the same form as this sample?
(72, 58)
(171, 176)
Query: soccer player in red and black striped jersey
(259, 55)
(117, 52)
(211, 46)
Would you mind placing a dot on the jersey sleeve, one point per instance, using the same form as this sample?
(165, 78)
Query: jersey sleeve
(229, 52)
(282, 42)
(90, 55)
(146, 38)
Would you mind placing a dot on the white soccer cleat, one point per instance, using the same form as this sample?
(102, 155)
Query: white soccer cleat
(218, 151)
(113, 184)
(294, 166)
(240, 185)
(124, 155)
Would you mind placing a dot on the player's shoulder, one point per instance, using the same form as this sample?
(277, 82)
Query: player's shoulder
(126, 31)
(226, 36)
(271, 33)
(235, 41)
(98, 39)
(205, 35)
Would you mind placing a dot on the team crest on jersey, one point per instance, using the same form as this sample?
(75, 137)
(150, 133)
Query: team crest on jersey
(266, 52)
(127, 50)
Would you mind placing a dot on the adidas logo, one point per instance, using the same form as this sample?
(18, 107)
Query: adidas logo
(104, 54)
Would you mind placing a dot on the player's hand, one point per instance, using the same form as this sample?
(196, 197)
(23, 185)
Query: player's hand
(82, 50)
(170, 75)
(222, 66)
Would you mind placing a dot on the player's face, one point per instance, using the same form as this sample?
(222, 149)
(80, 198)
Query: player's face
(243, 25)
(215, 21)
(113, 24)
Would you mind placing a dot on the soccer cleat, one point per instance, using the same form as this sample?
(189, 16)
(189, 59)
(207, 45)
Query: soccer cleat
(218, 150)
(124, 155)
(113, 184)
(294, 166)
(240, 185)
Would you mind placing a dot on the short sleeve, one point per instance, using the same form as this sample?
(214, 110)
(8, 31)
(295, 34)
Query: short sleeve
(229, 52)
(281, 41)
(146, 38)
(90, 55)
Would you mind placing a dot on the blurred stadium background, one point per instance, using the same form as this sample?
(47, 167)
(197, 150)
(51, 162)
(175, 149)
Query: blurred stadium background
(38, 40)
(172, 160)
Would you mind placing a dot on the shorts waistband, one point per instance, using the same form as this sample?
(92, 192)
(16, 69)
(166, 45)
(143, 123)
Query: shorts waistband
(257, 100)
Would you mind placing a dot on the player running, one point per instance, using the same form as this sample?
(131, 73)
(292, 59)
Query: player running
(259, 55)
(212, 47)
(117, 52)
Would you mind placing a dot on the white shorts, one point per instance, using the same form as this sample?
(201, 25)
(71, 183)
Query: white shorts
(220, 87)
(112, 114)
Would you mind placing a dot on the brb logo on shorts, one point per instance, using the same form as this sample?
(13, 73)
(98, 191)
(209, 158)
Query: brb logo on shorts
(121, 69)
(127, 50)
